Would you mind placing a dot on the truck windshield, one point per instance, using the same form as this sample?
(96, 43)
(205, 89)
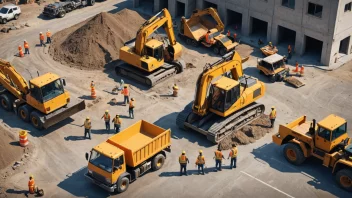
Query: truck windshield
(101, 161)
(4, 10)
(279, 64)
(224, 39)
(339, 131)
(52, 90)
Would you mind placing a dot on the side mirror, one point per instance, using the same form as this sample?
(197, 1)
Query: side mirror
(64, 82)
(87, 156)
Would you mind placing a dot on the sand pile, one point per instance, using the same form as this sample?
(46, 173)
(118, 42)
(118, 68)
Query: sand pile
(10, 151)
(97, 41)
(248, 134)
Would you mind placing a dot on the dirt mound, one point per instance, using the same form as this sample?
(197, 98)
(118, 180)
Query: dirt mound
(10, 151)
(248, 134)
(95, 42)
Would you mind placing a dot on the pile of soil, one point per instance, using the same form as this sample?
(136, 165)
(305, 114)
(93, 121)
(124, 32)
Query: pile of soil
(95, 42)
(10, 149)
(248, 134)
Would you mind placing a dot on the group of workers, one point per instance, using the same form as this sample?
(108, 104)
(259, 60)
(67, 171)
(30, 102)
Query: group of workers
(26, 45)
(200, 160)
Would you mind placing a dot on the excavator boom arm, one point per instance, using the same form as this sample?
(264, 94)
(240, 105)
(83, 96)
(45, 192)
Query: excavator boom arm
(12, 80)
(151, 25)
(214, 14)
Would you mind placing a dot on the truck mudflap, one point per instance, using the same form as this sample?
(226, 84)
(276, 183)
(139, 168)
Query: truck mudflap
(98, 183)
(62, 113)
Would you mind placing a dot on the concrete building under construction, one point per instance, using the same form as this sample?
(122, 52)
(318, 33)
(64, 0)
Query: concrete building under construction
(319, 28)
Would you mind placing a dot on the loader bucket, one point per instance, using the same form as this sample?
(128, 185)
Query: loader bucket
(63, 113)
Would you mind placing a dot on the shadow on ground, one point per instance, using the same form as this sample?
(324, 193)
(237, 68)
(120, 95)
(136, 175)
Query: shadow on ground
(321, 177)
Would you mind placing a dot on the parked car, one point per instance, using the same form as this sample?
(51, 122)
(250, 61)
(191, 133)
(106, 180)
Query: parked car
(9, 12)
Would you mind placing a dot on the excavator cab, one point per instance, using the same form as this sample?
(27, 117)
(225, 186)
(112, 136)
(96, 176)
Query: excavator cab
(155, 49)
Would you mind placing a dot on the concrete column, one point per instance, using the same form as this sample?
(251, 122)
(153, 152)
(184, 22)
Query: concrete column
(300, 43)
(246, 23)
(274, 37)
(157, 5)
(172, 7)
(221, 10)
(135, 3)
(200, 4)
(268, 31)
(190, 6)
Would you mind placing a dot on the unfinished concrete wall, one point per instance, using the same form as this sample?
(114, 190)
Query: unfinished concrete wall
(190, 5)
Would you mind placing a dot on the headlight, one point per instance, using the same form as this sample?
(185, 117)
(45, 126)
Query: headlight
(108, 180)
(90, 172)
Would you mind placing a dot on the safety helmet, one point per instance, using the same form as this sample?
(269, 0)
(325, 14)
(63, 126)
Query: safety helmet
(107, 111)
(87, 118)
(25, 40)
(125, 86)
(40, 32)
(31, 176)
(19, 46)
(183, 152)
(117, 115)
(200, 151)
(132, 99)
(270, 43)
(273, 107)
(48, 30)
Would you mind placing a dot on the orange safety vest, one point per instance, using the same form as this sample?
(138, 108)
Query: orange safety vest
(234, 35)
(273, 114)
(131, 104)
(26, 46)
(48, 34)
(87, 124)
(218, 155)
(31, 185)
(117, 121)
(125, 92)
(233, 152)
(19, 48)
(41, 37)
(200, 160)
(207, 38)
(107, 117)
(182, 159)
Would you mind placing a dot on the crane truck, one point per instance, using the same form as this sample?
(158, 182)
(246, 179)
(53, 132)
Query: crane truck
(43, 101)
(149, 60)
(326, 140)
(121, 159)
(224, 100)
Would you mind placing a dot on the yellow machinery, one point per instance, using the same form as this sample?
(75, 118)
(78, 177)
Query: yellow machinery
(327, 140)
(124, 157)
(194, 29)
(43, 101)
(224, 100)
(274, 67)
(149, 60)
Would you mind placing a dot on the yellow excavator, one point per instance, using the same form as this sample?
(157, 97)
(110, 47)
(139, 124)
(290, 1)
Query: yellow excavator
(149, 60)
(43, 101)
(224, 100)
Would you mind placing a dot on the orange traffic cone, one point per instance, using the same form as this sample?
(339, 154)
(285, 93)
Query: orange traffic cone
(92, 86)
(301, 71)
(296, 70)
(20, 52)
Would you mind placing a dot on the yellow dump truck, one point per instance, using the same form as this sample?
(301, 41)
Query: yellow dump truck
(326, 140)
(124, 157)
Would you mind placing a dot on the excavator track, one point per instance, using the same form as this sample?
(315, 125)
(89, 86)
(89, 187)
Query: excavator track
(150, 79)
(217, 128)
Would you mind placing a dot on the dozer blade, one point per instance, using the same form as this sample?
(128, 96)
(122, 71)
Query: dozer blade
(63, 113)
(294, 81)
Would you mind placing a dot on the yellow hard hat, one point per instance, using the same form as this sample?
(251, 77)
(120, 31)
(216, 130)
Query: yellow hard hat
(48, 30)
(40, 32)
(19, 46)
(107, 111)
(31, 176)
(273, 107)
(87, 118)
(117, 115)
(183, 152)
(269, 42)
(132, 99)
(125, 86)
(200, 151)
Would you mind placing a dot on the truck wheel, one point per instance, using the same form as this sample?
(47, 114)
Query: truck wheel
(24, 112)
(294, 154)
(6, 101)
(158, 162)
(223, 51)
(91, 2)
(35, 120)
(216, 50)
(272, 78)
(62, 14)
(188, 41)
(16, 16)
(123, 184)
(261, 72)
(4, 21)
(195, 43)
(344, 179)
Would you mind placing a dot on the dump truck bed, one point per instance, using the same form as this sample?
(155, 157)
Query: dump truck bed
(141, 141)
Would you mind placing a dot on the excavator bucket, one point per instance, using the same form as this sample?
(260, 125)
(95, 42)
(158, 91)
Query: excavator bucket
(63, 113)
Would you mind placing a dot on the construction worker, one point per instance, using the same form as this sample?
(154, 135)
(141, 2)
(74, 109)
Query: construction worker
(289, 51)
(218, 159)
(272, 116)
(31, 185)
(208, 39)
(117, 123)
(271, 45)
(200, 162)
(233, 155)
(130, 108)
(301, 71)
(183, 160)
(20, 52)
(228, 33)
(48, 36)
(26, 47)
(126, 94)
(41, 38)
(106, 117)
(87, 128)
(235, 37)
(175, 90)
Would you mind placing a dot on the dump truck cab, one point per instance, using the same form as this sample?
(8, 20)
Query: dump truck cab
(273, 66)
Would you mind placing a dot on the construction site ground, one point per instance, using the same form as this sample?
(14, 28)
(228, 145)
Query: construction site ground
(58, 160)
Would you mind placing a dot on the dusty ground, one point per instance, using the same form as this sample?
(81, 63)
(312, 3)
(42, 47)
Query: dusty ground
(262, 169)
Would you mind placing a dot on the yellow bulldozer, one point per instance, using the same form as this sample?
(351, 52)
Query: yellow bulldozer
(326, 140)
(224, 99)
(150, 60)
(43, 101)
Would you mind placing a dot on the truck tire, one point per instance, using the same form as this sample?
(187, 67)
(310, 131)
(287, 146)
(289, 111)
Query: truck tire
(272, 78)
(122, 184)
(216, 50)
(16, 16)
(36, 121)
(344, 179)
(4, 21)
(6, 101)
(223, 51)
(62, 14)
(195, 43)
(24, 112)
(158, 162)
(90, 2)
(294, 154)
(188, 41)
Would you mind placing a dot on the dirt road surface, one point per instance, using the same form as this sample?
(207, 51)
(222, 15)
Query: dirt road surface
(60, 164)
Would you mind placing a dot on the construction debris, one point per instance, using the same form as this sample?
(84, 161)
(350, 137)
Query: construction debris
(294, 81)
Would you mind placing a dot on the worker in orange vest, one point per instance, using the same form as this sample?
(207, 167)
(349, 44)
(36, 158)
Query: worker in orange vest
(208, 39)
(218, 159)
(130, 108)
(41, 38)
(20, 52)
(233, 155)
(272, 116)
(31, 185)
(228, 33)
(26, 47)
(126, 94)
(235, 37)
(106, 117)
(183, 160)
(200, 162)
(48, 36)
(117, 123)
(289, 51)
